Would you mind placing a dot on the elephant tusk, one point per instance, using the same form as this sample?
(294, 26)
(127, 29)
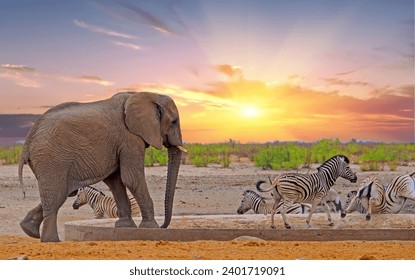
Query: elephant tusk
(181, 149)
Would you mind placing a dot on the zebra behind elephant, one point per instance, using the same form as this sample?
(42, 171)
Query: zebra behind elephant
(252, 200)
(309, 188)
(393, 197)
(102, 204)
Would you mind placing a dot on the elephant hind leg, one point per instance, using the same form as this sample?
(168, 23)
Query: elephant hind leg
(121, 199)
(51, 202)
(31, 223)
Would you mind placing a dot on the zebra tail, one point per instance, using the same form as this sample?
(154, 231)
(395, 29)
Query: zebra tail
(258, 186)
(412, 174)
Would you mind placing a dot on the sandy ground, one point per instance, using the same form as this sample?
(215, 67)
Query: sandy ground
(200, 191)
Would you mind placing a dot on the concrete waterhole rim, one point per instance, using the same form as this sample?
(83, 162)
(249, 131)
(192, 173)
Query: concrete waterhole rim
(104, 230)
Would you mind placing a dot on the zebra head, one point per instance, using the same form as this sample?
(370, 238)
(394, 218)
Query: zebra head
(250, 200)
(85, 195)
(81, 198)
(344, 169)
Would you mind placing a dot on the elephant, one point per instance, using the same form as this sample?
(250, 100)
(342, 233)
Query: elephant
(73, 145)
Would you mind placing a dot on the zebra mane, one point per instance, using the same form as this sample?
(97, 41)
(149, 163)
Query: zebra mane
(341, 157)
(94, 189)
(254, 194)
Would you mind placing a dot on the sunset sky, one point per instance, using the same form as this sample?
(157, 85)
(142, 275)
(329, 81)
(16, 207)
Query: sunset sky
(252, 71)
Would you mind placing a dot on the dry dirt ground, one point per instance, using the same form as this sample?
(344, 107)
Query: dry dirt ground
(200, 191)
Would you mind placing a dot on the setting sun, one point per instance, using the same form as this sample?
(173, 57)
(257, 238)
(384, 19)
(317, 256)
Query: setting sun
(250, 112)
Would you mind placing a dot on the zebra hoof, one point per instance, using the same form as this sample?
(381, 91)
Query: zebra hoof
(368, 218)
(287, 226)
(273, 227)
(331, 224)
(343, 215)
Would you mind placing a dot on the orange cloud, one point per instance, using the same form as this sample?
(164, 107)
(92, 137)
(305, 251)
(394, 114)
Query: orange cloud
(252, 111)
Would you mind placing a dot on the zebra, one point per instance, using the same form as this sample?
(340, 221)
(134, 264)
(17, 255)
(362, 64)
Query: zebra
(252, 200)
(389, 200)
(401, 188)
(333, 200)
(101, 203)
(304, 188)
(357, 204)
(370, 196)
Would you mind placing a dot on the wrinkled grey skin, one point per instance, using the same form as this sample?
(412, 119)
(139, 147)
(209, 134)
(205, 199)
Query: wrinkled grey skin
(77, 144)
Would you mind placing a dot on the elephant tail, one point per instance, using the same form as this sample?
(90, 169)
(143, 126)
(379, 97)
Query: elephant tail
(24, 158)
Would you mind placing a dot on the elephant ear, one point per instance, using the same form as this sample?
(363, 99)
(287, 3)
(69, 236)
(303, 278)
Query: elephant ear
(142, 117)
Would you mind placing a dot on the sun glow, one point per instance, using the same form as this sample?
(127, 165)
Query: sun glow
(250, 111)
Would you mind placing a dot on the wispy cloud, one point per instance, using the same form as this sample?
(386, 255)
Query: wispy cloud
(148, 18)
(86, 79)
(20, 75)
(342, 82)
(127, 45)
(102, 30)
(17, 68)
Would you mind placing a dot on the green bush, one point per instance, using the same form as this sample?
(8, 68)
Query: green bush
(10, 154)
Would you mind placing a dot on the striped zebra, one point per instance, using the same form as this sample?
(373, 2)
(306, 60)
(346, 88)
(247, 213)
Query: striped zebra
(389, 200)
(308, 188)
(370, 196)
(252, 200)
(102, 204)
(357, 204)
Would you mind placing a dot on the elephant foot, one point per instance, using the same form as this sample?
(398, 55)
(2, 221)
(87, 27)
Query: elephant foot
(148, 224)
(125, 223)
(31, 228)
(53, 239)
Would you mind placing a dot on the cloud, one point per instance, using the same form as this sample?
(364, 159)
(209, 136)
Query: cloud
(102, 30)
(17, 68)
(148, 18)
(229, 70)
(86, 79)
(20, 75)
(342, 82)
(344, 73)
(127, 45)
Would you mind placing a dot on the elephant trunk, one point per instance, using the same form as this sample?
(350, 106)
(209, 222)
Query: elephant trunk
(175, 155)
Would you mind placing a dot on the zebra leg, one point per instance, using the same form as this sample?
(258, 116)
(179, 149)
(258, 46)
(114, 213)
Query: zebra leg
(273, 210)
(328, 210)
(351, 207)
(312, 210)
(369, 212)
(277, 199)
(283, 211)
(98, 214)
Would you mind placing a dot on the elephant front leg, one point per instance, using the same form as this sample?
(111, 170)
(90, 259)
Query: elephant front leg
(132, 176)
(121, 199)
(31, 223)
(145, 203)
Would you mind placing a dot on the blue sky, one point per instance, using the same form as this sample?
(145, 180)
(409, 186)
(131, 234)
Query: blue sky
(238, 60)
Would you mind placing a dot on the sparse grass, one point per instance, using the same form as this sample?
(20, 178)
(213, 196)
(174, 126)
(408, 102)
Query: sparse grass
(10, 154)
(277, 156)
